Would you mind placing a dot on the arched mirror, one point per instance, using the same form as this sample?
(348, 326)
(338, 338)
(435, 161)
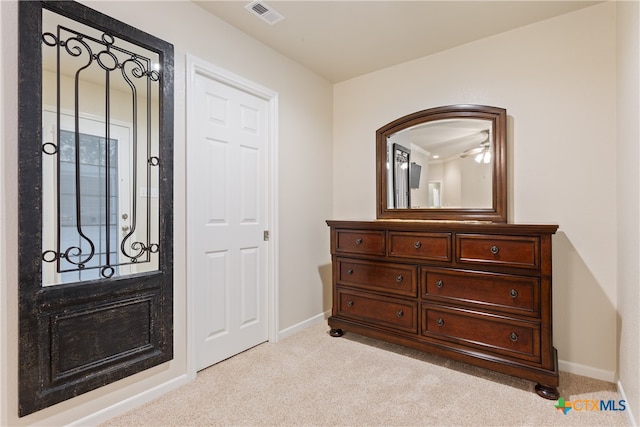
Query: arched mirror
(444, 163)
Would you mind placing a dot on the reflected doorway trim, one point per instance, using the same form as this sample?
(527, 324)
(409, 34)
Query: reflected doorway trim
(194, 66)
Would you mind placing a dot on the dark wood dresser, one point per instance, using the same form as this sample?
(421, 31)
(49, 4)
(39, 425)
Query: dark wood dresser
(476, 292)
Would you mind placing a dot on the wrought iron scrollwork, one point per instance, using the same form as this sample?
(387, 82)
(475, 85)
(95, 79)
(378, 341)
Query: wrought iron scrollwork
(135, 69)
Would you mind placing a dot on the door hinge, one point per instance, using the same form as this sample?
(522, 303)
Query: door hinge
(266, 235)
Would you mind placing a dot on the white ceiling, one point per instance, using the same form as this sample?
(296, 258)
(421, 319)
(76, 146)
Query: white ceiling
(340, 40)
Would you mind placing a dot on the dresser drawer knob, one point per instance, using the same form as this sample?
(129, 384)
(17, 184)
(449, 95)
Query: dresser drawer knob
(350, 271)
(359, 241)
(440, 322)
(440, 284)
(495, 249)
(417, 245)
(350, 303)
(513, 293)
(399, 313)
(399, 278)
(513, 337)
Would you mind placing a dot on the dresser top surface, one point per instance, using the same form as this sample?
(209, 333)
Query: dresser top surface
(457, 226)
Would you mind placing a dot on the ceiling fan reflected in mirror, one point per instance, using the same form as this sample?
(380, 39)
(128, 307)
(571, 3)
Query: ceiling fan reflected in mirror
(481, 154)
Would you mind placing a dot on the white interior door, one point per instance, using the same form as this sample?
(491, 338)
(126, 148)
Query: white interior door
(227, 196)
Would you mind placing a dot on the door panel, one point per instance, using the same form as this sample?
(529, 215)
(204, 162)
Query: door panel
(227, 204)
(249, 286)
(216, 272)
(215, 153)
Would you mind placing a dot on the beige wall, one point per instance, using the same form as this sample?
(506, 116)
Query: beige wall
(557, 80)
(8, 195)
(305, 185)
(628, 180)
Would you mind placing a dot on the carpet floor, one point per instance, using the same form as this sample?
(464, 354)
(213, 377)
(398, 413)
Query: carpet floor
(312, 379)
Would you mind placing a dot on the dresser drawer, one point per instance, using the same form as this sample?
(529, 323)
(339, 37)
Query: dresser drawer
(387, 312)
(511, 251)
(501, 335)
(517, 294)
(399, 279)
(360, 242)
(426, 246)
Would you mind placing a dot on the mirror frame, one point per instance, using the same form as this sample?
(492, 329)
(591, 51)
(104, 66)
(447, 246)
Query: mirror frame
(51, 318)
(498, 211)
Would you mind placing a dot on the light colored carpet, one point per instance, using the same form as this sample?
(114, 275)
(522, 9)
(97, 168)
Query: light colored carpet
(313, 379)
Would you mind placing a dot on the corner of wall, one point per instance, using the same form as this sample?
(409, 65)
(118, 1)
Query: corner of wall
(8, 198)
(628, 204)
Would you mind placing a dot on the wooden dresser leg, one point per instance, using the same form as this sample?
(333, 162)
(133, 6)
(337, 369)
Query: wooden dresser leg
(336, 332)
(547, 392)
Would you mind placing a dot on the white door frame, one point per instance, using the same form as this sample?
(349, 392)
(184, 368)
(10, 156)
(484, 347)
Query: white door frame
(196, 66)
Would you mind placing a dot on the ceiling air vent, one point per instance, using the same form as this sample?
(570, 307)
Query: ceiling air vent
(264, 12)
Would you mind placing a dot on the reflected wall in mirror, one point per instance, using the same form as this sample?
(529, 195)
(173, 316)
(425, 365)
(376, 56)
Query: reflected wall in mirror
(453, 160)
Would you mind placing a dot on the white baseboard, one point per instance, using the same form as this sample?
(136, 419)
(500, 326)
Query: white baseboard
(148, 395)
(132, 402)
(628, 411)
(563, 365)
(303, 325)
(142, 398)
(587, 371)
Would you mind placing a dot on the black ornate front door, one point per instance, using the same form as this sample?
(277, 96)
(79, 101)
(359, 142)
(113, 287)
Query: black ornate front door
(95, 203)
